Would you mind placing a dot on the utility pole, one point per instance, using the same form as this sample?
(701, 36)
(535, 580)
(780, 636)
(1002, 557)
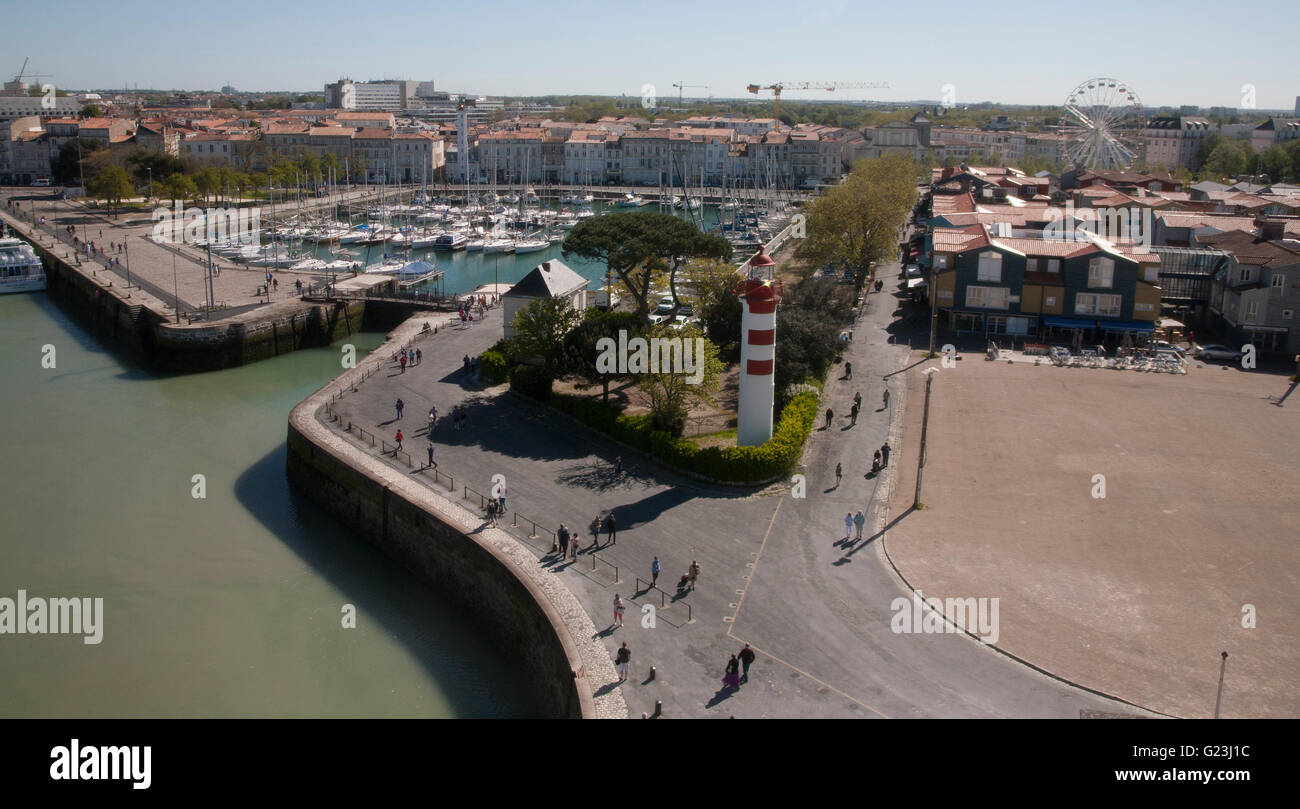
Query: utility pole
(925, 424)
(1218, 701)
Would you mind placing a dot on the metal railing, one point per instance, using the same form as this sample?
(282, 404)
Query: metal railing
(663, 598)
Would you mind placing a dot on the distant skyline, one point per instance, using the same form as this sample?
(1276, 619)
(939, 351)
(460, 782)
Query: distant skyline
(1014, 52)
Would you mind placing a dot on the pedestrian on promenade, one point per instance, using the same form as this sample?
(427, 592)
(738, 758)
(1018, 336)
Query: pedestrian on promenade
(848, 370)
(595, 529)
(857, 398)
(693, 572)
(399, 404)
(618, 466)
(853, 416)
(562, 539)
(501, 498)
(433, 417)
(419, 356)
(839, 473)
(884, 454)
(875, 463)
(859, 520)
(746, 660)
(611, 528)
(465, 362)
(654, 572)
(848, 524)
(732, 678)
(431, 463)
(275, 284)
(830, 414)
(399, 439)
(885, 399)
(623, 660)
(403, 362)
(618, 610)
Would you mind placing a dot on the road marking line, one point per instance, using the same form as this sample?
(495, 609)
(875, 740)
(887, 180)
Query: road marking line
(791, 666)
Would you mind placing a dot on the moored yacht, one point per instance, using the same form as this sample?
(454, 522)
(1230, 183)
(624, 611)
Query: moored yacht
(20, 268)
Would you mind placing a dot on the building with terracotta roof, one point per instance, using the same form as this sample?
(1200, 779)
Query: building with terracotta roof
(1255, 296)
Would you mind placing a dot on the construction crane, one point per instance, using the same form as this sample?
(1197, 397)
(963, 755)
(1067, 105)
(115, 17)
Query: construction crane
(680, 87)
(18, 85)
(831, 86)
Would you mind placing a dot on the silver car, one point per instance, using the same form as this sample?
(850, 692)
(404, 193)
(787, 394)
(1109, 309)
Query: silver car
(1216, 351)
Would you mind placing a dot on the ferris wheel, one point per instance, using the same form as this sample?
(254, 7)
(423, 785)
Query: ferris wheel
(1101, 125)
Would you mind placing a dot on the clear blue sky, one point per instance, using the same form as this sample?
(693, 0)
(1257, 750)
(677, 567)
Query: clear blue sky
(1190, 52)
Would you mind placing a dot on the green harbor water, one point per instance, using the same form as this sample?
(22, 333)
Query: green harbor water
(228, 606)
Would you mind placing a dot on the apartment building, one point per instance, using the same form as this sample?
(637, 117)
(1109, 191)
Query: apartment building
(1255, 296)
(1171, 142)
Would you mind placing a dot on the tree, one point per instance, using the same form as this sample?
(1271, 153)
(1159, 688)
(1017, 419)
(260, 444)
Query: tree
(208, 181)
(1227, 160)
(636, 245)
(67, 167)
(111, 185)
(716, 302)
(540, 329)
(857, 222)
(178, 188)
(153, 164)
(808, 324)
(670, 392)
(580, 345)
(1276, 162)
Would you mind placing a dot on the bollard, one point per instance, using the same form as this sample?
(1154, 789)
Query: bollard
(652, 673)
(659, 709)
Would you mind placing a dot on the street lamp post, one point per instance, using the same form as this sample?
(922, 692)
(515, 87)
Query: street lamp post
(150, 170)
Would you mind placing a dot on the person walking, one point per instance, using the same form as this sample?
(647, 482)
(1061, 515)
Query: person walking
(618, 610)
(618, 466)
(403, 362)
(562, 538)
(859, 520)
(623, 661)
(501, 498)
(885, 399)
(853, 416)
(431, 463)
(611, 528)
(875, 463)
(655, 567)
(399, 405)
(848, 370)
(857, 398)
(465, 362)
(399, 440)
(830, 414)
(595, 527)
(884, 455)
(693, 572)
(419, 356)
(746, 660)
(839, 474)
(732, 678)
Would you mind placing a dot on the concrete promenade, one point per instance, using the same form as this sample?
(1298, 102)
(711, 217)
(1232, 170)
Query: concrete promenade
(776, 570)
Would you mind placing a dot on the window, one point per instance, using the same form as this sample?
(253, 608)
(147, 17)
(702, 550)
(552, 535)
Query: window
(1151, 274)
(1053, 265)
(990, 267)
(1143, 307)
(1279, 282)
(986, 297)
(1287, 314)
(1088, 304)
(1101, 273)
(1050, 300)
(1252, 309)
(1244, 274)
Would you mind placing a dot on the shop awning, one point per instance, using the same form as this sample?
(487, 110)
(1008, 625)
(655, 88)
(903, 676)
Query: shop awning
(1127, 325)
(1068, 322)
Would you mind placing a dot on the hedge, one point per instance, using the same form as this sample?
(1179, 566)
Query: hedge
(531, 381)
(493, 366)
(734, 464)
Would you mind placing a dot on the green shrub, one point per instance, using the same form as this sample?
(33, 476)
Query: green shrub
(736, 464)
(531, 381)
(493, 366)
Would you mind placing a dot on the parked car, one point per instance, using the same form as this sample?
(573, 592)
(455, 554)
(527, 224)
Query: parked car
(1170, 348)
(1218, 352)
(665, 305)
(42, 182)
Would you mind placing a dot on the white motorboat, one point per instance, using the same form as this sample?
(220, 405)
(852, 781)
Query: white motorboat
(451, 241)
(499, 246)
(20, 268)
(531, 245)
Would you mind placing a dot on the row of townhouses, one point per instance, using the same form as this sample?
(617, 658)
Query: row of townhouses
(1101, 257)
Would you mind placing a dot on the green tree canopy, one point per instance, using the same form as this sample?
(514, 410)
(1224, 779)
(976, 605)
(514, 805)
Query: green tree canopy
(636, 245)
(540, 329)
(67, 167)
(112, 185)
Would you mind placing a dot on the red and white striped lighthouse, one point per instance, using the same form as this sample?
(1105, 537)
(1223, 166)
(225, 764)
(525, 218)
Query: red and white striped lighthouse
(759, 293)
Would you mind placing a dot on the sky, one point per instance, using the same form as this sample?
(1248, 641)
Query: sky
(1189, 52)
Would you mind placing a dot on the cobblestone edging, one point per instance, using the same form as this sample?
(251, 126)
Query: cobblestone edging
(591, 665)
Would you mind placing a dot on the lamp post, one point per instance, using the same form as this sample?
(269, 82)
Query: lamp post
(150, 170)
(176, 290)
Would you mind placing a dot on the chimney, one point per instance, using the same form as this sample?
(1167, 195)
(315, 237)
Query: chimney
(1270, 229)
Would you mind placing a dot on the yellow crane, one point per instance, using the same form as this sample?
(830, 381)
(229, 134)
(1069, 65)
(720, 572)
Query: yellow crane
(831, 86)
